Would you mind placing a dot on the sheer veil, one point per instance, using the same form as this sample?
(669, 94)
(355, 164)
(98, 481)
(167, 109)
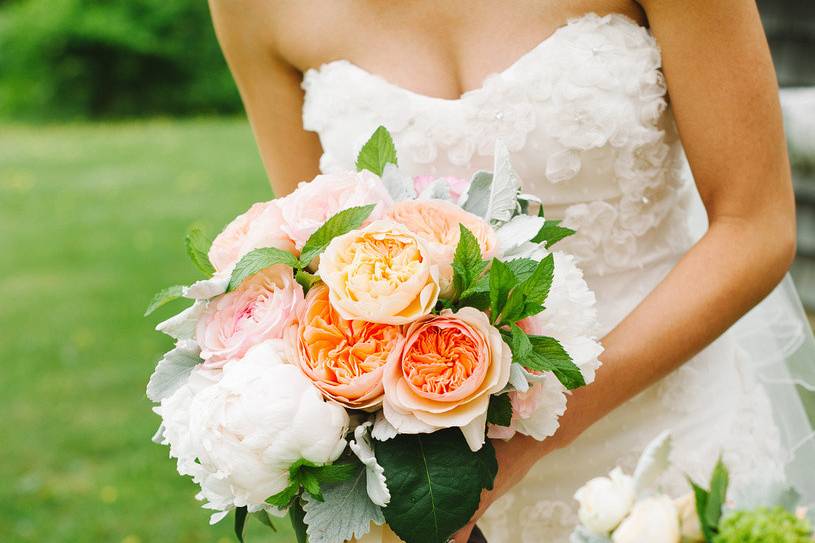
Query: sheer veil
(780, 350)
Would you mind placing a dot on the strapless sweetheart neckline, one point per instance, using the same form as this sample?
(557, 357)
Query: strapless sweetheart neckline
(533, 52)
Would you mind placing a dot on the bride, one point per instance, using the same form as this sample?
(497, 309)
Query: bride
(600, 101)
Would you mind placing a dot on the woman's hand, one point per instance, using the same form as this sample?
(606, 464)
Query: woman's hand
(515, 458)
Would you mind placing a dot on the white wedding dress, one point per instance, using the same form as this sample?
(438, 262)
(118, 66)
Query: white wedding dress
(586, 118)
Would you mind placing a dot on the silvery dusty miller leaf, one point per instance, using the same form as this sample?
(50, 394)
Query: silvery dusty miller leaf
(376, 484)
(505, 187)
(182, 326)
(346, 511)
(476, 199)
(519, 230)
(173, 371)
(399, 186)
(653, 462)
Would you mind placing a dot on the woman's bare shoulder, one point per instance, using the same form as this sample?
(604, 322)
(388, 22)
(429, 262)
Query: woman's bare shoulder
(295, 31)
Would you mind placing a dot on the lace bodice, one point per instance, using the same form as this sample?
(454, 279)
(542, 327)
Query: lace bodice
(584, 114)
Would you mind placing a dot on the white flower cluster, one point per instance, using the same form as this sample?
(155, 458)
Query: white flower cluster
(238, 436)
(620, 509)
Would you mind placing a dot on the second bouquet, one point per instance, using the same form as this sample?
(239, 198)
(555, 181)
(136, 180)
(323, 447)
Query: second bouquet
(354, 345)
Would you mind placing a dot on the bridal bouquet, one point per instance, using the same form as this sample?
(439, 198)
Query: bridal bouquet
(356, 342)
(625, 508)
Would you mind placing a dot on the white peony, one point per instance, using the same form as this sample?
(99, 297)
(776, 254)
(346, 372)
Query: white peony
(238, 436)
(690, 528)
(570, 316)
(605, 501)
(654, 520)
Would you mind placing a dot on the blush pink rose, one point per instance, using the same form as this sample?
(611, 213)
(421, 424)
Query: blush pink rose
(450, 365)
(264, 307)
(260, 226)
(308, 207)
(535, 412)
(436, 222)
(457, 185)
(345, 359)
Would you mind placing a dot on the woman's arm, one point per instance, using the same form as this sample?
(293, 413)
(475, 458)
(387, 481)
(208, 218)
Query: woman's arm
(725, 100)
(270, 89)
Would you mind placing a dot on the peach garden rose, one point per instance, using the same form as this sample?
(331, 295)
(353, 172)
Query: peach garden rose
(264, 307)
(450, 365)
(436, 222)
(382, 273)
(344, 358)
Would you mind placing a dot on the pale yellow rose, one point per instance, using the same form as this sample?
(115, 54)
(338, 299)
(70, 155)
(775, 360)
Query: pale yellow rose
(381, 273)
(437, 222)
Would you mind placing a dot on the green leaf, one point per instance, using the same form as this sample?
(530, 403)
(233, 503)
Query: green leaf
(333, 473)
(718, 493)
(283, 499)
(519, 344)
(502, 280)
(549, 355)
(240, 522)
(551, 232)
(536, 287)
(263, 517)
(257, 260)
(528, 297)
(487, 465)
(197, 248)
(522, 268)
(377, 152)
(500, 410)
(433, 490)
(163, 297)
(306, 279)
(341, 223)
(467, 262)
(296, 515)
(701, 498)
(345, 512)
(311, 484)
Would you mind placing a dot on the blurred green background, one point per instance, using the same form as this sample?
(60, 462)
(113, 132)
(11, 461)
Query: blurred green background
(119, 127)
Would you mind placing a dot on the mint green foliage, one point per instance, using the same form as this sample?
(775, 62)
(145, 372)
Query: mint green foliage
(378, 152)
(764, 525)
(309, 476)
(256, 260)
(551, 232)
(337, 225)
(91, 225)
(74, 59)
(163, 297)
(197, 245)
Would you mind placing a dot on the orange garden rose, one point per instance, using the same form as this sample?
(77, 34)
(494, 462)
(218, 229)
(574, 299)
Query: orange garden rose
(450, 365)
(345, 359)
(436, 222)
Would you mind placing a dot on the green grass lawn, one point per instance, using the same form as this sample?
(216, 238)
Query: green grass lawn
(92, 219)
